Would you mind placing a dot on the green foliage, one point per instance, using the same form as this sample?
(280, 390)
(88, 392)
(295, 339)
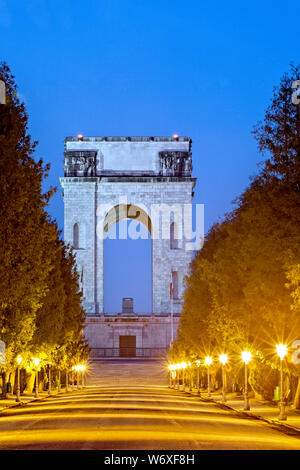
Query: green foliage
(293, 276)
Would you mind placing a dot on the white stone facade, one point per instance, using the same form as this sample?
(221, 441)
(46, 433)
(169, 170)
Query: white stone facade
(141, 171)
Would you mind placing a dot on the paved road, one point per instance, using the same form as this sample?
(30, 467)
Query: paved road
(132, 414)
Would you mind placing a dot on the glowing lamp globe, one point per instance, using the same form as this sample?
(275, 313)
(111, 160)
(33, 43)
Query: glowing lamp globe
(36, 361)
(208, 360)
(281, 350)
(246, 356)
(223, 359)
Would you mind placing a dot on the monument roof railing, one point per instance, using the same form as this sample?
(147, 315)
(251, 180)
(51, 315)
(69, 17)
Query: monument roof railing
(129, 139)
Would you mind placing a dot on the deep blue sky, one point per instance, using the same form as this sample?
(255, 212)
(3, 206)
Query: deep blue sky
(203, 69)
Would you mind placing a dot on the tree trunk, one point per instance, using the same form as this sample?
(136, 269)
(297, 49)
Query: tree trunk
(42, 383)
(212, 380)
(30, 379)
(11, 379)
(4, 382)
(297, 396)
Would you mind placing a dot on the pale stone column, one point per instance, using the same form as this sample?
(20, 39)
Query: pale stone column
(79, 207)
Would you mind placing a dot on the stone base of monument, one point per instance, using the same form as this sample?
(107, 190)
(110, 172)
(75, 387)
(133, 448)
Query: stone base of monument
(145, 336)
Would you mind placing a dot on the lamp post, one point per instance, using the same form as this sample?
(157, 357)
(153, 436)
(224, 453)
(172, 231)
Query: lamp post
(170, 376)
(36, 362)
(19, 360)
(73, 377)
(67, 380)
(223, 359)
(208, 362)
(246, 356)
(190, 376)
(172, 315)
(281, 351)
(183, 366)
(198, 377)
(174, 376)
(58, 381)
(83, 368)
(81, 374)
(49, 387)
(77, 370)
(177, 375)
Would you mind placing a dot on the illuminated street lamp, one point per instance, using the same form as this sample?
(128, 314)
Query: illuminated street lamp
(36, 362)
(19, 360)
(246, 356)
(198, 376)
(281, 351)
(208, 362)
(223, 359)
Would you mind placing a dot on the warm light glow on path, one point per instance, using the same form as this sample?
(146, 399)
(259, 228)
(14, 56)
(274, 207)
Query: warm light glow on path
(126, 416)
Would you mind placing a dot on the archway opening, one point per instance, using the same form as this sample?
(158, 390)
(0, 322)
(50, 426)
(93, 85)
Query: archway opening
(127, 260)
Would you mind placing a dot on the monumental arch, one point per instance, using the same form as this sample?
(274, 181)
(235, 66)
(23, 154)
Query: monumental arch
(106, 180)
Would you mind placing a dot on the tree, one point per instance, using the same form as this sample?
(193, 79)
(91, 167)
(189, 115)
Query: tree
(49, 321)
(279, 135)
(25, 231)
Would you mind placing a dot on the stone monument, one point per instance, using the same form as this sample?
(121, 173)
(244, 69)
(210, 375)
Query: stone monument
(107, 179)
